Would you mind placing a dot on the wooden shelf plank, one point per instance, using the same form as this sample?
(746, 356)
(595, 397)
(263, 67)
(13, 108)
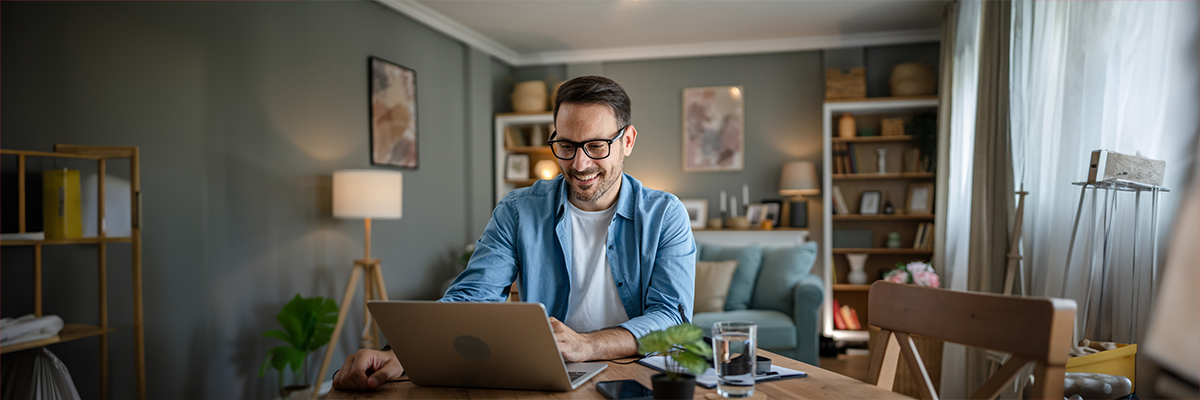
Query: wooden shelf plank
(85, 240)
(890, 175)
(851, 288)
(69, 332)
(750, 229)
(931, 97)
(862, 139)
(894, 217)
(32, 153)
(528, 149)
(882, 251)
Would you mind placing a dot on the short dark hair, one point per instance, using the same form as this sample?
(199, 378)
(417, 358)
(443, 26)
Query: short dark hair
(595, 90)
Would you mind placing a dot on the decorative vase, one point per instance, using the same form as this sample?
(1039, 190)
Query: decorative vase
(888, 209)
(857, 261)
(881, 163)
(913, 79)
(714, 223)
(529, 96)
(665, 388)
(893, 240)
(738, 223)
(846, 126)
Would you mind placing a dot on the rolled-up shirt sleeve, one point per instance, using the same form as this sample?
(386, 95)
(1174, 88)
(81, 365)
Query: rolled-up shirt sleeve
(493, 265)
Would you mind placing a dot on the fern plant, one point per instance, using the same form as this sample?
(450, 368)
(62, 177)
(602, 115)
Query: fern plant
(307, 325)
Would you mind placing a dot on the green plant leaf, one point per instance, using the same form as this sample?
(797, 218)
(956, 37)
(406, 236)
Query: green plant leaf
(699, 348)
(654, 342)
(683, 333)
(692, 361)
(274, 333)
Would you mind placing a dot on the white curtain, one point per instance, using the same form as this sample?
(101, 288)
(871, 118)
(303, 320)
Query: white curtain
(1120, 76)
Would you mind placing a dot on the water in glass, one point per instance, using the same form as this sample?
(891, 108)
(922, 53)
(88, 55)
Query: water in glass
(733, 356)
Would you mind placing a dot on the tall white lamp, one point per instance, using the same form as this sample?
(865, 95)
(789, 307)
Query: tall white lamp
(363, 194)
(799, 179)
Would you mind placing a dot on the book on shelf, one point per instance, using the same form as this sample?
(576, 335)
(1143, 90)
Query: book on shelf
(849, 318)
(513, 137)
(924, 237)
(838, 322)
(917, 238)
(839, 202)
(853, 153)
(836, 160)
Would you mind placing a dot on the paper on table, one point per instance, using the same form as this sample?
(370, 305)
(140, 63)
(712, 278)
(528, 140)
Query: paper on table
(708, 379)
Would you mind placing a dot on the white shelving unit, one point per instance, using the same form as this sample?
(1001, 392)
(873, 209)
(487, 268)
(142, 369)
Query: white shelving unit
(536, 151)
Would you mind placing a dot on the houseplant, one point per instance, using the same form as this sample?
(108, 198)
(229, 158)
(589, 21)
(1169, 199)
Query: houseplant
(685, 350)
(307, 325)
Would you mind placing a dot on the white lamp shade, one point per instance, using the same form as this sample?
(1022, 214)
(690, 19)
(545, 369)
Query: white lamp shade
(799, 179)
(368, 193)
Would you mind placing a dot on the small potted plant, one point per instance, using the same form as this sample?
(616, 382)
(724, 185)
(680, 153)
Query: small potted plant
(307, 325)
(685, 350)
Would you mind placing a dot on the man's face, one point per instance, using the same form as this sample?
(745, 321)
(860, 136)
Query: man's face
(594, 184)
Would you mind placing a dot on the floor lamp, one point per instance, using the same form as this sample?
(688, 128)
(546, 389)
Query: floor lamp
(799, 178)
(363, 194)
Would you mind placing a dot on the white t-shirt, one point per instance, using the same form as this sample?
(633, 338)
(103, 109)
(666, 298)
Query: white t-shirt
(595, 303)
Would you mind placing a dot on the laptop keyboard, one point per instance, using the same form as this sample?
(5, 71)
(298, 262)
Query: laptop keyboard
(575, 375)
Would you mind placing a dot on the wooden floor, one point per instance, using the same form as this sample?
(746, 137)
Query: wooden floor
(856, 367)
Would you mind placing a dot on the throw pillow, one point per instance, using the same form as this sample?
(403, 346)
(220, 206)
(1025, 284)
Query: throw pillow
(712, 285)
(782, 269)
(741, 287)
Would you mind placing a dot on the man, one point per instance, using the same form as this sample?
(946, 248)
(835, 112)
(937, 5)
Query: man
(610, 259)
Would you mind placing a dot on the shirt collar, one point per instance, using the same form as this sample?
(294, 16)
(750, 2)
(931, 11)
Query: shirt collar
(624, 198)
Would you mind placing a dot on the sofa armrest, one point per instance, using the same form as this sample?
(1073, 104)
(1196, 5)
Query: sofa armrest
(807, 297)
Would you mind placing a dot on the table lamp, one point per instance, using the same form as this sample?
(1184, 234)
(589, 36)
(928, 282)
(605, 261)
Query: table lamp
(799, 179)
(363, 194)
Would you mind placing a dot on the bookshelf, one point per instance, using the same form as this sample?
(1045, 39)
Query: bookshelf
(520, 134)
(900, 172)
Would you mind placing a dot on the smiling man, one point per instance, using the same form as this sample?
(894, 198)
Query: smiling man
(610, 259)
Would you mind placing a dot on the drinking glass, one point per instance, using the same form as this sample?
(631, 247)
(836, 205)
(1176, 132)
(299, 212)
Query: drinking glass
(734, 344)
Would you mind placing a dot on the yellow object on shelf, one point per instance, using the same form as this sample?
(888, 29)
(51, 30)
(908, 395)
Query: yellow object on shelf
(61, 208)
(1119, 361)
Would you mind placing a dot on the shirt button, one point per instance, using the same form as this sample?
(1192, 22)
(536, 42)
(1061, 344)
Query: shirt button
(610, 247)
(619, 284)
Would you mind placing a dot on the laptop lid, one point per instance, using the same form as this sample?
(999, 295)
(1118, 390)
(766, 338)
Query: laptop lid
(480, 345)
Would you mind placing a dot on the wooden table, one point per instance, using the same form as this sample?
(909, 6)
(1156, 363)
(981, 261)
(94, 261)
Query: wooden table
(820, 384)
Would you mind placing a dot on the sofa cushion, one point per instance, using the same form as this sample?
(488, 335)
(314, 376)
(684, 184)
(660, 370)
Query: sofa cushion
(775, 329)
(749, 259)
(712, 285)
(782, 268)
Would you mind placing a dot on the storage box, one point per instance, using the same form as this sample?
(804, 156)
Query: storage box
(852, 238)
(1119, 361)
(61, 210)
(892, 126)
(852, 85)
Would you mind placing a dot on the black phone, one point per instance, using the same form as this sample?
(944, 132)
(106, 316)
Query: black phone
(624, 389)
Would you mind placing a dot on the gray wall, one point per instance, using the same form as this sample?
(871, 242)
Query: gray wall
(242, 111)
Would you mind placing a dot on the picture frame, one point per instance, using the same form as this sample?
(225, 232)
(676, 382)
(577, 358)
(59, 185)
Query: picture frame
(868, 204)
(754, 215)
(516, 167)
(920, 199)
(772, 210)
(713, 129)
(393, 109)
(697, 210)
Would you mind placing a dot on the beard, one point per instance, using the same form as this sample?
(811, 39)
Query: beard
(605, 180)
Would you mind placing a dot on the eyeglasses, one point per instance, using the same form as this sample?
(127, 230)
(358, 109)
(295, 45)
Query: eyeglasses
(596, 149)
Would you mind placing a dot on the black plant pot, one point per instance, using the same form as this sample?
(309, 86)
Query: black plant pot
(665, 388)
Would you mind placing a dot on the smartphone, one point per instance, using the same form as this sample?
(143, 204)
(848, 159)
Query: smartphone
(623, 389)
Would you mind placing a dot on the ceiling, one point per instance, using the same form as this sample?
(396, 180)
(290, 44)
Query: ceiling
(532, 32)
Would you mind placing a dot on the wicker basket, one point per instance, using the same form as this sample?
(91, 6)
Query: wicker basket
(852, 85)
(892, 126)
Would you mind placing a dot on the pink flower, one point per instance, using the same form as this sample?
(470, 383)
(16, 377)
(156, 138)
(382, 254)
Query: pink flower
(926, 278)
(897, 276)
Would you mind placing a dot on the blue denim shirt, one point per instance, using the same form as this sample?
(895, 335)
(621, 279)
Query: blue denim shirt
(650, 250)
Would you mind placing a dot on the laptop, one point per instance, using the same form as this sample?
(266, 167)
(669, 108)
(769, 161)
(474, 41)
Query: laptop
(478, 345)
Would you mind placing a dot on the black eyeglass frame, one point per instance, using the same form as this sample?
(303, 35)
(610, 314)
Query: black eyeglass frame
(583, 145)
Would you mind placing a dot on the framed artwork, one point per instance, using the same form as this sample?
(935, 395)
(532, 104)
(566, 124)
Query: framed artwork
(516, 167)
(713, 129)
(920, 198)
(754, 215)
(772, 210)
(697, 210)
(869, 203)
(393, 114)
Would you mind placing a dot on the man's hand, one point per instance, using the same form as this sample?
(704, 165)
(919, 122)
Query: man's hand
(368, 370)
(599, 345)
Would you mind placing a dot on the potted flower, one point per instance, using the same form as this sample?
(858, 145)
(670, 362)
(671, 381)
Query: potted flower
(915, 272)
(307, 325)
(685, 350)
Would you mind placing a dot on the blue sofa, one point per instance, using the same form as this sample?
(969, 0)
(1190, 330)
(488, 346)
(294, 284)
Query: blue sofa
(773, 287)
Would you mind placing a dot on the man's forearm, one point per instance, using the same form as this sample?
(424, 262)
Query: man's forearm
(608, 344)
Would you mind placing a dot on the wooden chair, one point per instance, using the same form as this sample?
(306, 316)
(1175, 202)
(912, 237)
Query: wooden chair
(1033, 330)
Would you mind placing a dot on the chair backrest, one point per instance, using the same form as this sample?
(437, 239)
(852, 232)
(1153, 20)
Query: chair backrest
(1033, 330)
